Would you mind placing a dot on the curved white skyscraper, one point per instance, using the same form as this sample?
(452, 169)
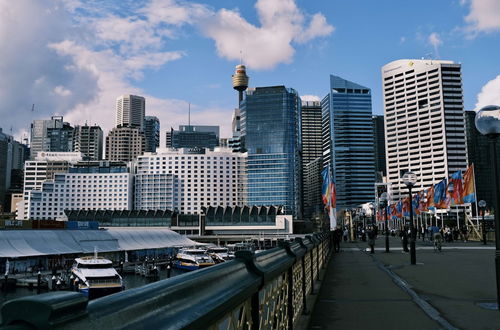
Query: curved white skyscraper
(424, 121)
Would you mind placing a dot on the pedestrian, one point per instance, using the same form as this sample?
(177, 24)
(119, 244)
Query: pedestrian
(404, 239)
(371, 239)
(336, 240)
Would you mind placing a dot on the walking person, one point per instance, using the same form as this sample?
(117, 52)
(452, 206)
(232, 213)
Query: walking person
(404, 239)
(371, 239)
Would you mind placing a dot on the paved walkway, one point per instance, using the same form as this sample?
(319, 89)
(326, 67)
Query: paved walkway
(383, 291)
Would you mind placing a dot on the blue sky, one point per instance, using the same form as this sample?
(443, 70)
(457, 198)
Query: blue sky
(74, 57)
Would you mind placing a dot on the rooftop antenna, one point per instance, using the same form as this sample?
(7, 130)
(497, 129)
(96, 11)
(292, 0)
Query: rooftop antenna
(189, 114)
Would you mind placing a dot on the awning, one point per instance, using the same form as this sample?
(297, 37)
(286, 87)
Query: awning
(26, 243)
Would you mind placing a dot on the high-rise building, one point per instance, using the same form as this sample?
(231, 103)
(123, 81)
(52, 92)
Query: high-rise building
(11, 161)
(88, 140)
(152, 133)
(424, 121)
(234, 142)
(379, 145)
(311, 153)
(270, 129)
(44, 167)
(189, 179)
(348, 141)
(86, 186)
(479, 153)
(130, 111)
(52, 135)
(193, 136)
(124, 144)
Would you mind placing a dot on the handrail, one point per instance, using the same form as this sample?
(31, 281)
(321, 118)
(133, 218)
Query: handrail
(267, 290)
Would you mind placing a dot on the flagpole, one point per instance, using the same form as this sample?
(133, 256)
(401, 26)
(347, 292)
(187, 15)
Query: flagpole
(475, 192)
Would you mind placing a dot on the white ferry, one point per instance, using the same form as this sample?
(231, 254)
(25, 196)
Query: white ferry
(96, 277)
(192, 259)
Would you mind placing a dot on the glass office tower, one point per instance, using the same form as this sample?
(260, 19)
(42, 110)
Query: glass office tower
(348, 141)
(270, 129)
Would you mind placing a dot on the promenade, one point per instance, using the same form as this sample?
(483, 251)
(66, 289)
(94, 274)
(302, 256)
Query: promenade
(384, 291)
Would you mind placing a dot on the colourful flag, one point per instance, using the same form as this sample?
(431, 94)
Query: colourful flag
(329, 195)
(399, 209)
(468, 192)
(422, 205)
(440, 194)
(326, 189)
(456, 196)
(430, 198)
(406, 207)
(415, 201)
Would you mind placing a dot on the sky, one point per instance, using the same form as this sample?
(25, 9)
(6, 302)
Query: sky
(75, 57)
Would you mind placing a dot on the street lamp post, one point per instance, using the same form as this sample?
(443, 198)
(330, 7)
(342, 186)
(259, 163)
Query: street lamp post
(488, 123)
(383, 203)
(409, 179)
(482, 205)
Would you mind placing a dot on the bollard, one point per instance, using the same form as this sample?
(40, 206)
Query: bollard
(71, 283)
(76, 284)
(53, 283)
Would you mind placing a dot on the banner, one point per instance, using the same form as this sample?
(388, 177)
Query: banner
(440, 194)
(456, 195)
(329, 195)
(468, 192)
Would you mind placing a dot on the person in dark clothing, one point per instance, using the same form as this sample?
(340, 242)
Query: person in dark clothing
(337, 236)
(371, 240)
(404, 239)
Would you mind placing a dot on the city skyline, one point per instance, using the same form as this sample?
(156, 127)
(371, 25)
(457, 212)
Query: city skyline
(173, 53)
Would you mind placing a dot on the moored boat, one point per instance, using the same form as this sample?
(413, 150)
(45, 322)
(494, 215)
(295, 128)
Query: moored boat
(192, 259)
(95, 277)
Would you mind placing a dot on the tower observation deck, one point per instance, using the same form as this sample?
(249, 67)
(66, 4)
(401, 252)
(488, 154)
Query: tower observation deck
(240, 80)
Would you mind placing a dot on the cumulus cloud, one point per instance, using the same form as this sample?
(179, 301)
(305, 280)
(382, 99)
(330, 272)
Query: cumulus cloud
(484, 16)
(435, 42)
(310, 98)
(282, 24)
(490, 94)
(74, 57)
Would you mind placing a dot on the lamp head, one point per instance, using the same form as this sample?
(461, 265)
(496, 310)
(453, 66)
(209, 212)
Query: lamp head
(488, 120)
(384, 198)
(409, 179)
(482, 203)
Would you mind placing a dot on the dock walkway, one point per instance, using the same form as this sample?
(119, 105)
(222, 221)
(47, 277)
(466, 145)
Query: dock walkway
(448, 290)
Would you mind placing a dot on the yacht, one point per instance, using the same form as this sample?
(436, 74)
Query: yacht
(192, 259)
(95, 277)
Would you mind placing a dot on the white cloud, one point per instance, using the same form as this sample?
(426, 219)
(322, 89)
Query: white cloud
(88, 53)
(310, 98)
(282, 24)
(490, 94)
(62, 91)
(484, 16)
(435, 41)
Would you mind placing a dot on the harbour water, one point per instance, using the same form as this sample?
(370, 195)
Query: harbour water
(129, 280)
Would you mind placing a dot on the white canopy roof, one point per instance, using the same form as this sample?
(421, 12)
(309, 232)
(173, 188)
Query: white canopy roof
(25, 243)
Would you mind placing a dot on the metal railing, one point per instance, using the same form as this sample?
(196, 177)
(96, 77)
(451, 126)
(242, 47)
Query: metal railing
(264, 291)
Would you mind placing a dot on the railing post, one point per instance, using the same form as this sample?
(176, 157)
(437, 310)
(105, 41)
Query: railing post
(255, 311)
(304, 288)
(290, 298)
